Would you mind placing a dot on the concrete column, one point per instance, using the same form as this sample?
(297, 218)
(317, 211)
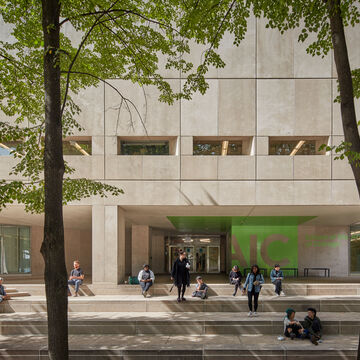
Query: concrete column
(108, 244)
(140, 247)
(157, 252)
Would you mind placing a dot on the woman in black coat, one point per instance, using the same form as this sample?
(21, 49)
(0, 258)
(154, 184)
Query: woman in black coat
(180, 274)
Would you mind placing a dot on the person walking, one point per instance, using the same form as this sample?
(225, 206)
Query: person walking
(235, 278)
(276, 277)
(253, 283)
(180, 275)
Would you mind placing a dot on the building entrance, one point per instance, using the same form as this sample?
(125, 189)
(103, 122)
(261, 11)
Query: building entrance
(202, 252)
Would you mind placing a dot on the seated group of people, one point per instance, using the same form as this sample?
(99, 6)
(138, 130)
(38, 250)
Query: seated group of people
(311, 327)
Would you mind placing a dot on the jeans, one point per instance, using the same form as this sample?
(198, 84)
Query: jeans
(294, 329)
(256, 297)
(1, 298)
(145, 286)
(278, 287)
(76, 282)
(316, 328)
(200, 294)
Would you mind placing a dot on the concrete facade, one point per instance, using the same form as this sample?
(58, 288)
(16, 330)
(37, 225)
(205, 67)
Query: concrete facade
(269, 88)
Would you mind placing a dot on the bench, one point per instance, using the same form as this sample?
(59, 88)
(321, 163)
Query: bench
(294, 270)
(326, 271)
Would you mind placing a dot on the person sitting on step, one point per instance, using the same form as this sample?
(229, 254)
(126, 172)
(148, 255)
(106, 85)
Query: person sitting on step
(292, 327)
(276, 277)
(146, 279)
(201, 288)
(235, 278)
(312, 326)
(3, 295)
(76, 278)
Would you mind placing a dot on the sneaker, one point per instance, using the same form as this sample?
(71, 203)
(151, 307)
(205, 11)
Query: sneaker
(183, 299)
(282, 294)
(144, 294)
(292, 336)
(76, 295)
(250, 313)
(178, 300)
(314, 340)
(255, 313)
(234, 294)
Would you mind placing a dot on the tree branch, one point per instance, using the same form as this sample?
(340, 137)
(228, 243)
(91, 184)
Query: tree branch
(77, 54)
(126, 100)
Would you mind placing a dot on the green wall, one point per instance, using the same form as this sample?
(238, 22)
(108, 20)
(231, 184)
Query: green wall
(264, 240)
(264, 245)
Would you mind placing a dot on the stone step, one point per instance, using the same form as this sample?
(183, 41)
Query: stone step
(204, 347)
(136, 303)
(174, 323)
(18, 294)
(291, 289)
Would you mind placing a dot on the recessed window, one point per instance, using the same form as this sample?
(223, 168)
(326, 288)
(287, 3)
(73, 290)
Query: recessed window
(144, 148)
(15, 249)
(7, 147)
(221, 146)
(150, 145)
(77, 147)
(296, 146)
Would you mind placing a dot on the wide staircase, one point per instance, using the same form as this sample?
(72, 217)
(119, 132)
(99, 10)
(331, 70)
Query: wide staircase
(116, 322)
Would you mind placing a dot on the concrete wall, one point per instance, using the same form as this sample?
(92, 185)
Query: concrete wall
(324, 247)
(269, 87)
(77, 246)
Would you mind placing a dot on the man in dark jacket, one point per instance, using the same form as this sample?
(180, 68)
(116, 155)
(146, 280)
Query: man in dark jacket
(312, 326)
(180, 275)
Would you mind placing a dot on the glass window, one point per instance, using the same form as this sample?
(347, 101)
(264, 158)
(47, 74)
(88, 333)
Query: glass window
(75, 147)
(151, 147)
(355, 248)
(217, 147)
(8, 146)
(14, 249)
(292, 147)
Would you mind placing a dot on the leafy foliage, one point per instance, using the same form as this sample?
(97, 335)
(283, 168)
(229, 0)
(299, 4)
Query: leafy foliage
(99, 40)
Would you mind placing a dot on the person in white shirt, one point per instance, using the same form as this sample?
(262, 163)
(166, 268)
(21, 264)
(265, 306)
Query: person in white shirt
(146, 279)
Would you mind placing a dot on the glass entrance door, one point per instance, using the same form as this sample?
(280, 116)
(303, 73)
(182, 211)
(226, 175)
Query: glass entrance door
(200, 259)
(213, 259)
(174, 254)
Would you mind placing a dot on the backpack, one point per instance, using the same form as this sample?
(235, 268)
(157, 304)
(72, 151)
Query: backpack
(133, 280)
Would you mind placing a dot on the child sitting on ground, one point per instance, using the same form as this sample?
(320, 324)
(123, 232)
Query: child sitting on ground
(201, 288)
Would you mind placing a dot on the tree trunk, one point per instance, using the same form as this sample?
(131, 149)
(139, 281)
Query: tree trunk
(348, 115)
(52, 248)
